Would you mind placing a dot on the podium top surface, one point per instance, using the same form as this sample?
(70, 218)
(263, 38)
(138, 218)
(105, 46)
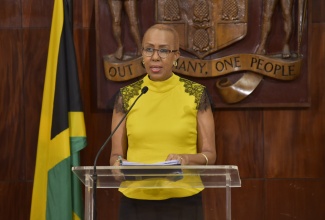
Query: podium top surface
(149, 176)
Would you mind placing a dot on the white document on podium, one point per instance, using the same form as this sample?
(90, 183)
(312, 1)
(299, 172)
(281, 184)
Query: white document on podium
(163, 163)
(159, 172)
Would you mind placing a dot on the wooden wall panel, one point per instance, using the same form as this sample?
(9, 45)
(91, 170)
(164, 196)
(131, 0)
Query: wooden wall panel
(35, 56)
(14, 203)
(319, 8)
(37, 13)
(108, 204)
(294, 145)
(246, 201)
(11, 106)
(299, 199)
(98, 128)
(83, 16)
(239, 140)
(28, 200)
(10, 13)
(294, 139)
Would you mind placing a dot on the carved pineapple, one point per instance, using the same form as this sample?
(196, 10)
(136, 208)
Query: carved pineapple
(230, 10)
(171, 10)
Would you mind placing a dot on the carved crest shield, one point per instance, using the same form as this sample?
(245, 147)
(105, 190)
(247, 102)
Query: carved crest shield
(204, 26)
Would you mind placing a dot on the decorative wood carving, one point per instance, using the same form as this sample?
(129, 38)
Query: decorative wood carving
(227, 45)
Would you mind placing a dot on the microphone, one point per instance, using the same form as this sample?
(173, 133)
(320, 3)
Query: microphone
(144, 90)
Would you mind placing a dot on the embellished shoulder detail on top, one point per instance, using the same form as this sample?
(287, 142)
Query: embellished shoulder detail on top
(194, 89)
(118, 105)
(205, 101)
(128, 92)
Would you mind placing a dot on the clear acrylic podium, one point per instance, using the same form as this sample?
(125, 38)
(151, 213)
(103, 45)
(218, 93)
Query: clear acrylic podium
(148, 176)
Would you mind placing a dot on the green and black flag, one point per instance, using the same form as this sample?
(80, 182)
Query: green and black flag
(57, 191)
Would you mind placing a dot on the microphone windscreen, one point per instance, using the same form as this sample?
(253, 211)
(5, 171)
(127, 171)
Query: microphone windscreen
(144, 90)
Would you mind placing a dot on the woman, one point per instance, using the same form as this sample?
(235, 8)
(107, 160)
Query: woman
(172, 121)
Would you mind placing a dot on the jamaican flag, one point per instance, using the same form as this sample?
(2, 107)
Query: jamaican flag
(57, 191)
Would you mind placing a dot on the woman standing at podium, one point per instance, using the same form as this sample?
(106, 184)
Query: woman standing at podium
(172, 121)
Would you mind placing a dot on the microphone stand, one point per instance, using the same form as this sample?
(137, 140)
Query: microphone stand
(143, 91)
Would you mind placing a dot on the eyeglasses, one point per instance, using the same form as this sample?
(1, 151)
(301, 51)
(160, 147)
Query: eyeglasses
(162, 53)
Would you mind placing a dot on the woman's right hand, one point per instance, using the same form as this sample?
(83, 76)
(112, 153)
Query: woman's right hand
(118, 175)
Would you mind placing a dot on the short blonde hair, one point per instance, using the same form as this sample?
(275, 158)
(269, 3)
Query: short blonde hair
(165, 27)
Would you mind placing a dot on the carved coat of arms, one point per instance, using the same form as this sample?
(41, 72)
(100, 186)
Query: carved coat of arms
(229, 42)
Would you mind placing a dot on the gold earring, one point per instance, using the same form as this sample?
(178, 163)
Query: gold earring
(143, 62)
(175, 63)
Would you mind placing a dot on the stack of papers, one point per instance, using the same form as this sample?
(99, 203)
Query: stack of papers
(141, 174)
(164, 163)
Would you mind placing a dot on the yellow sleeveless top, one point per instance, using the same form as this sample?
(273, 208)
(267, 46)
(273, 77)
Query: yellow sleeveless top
(163, 121)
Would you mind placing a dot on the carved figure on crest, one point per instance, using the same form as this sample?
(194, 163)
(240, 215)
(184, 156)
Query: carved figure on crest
(269, 8)
(116, 8)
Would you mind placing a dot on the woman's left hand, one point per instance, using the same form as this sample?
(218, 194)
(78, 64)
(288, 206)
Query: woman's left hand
(180, 157)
